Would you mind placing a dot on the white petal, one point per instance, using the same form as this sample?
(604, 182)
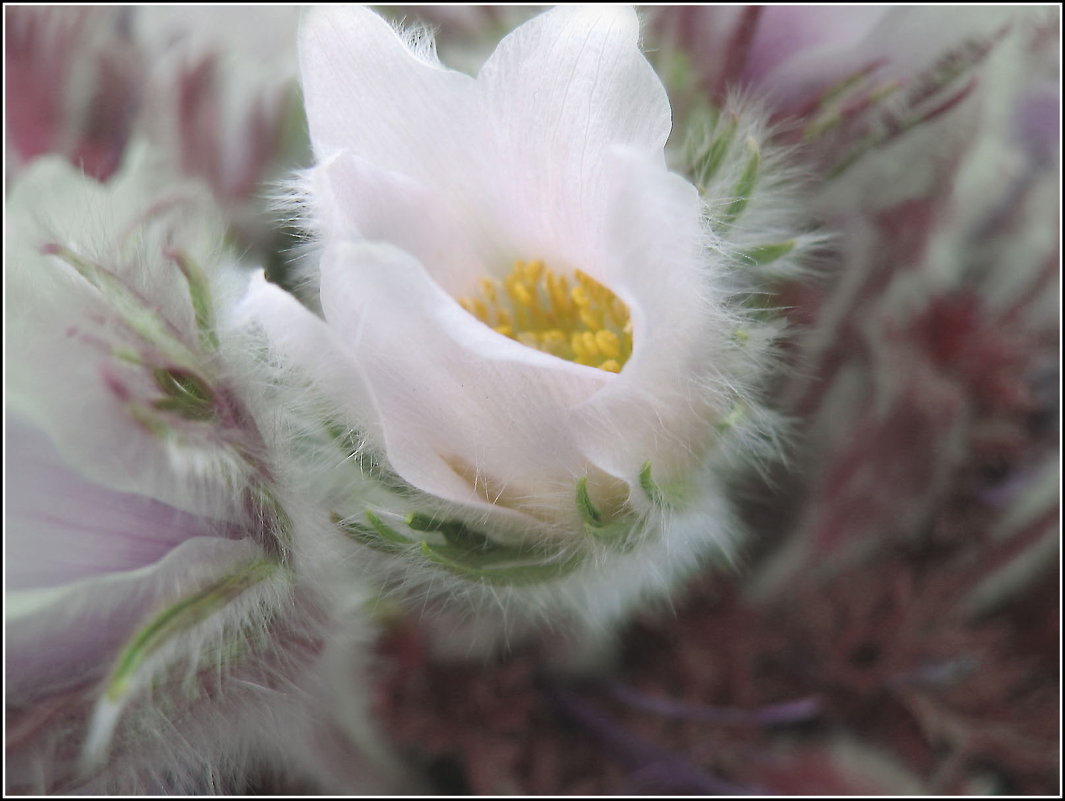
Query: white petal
(305, 340)
(62, 527)
(365, 91)
(558, 92)
(453, 395)
(575, 76)
(656, 265)
(365, 201)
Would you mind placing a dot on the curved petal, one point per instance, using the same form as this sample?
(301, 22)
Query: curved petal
(558, 92)
(65, 636)
(366, 91)
(368, 202)
(63, 528)
(467, 414)
(571, 82)
(305, 340)
(656, 264)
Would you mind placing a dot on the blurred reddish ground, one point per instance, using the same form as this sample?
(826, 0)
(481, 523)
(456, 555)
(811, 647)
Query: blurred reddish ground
(910, 698)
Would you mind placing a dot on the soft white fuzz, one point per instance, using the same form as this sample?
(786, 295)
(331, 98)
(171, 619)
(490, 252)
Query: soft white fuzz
(504, 492)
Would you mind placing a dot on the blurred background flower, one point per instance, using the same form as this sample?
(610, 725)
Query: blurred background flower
(71, 85)
(214, 89)
(166, 626)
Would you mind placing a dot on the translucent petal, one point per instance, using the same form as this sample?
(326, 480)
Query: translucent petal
(466, 413)
(62, 527)
(366, 92)
(364, 200)
(557, 93)
(64, 636)
(655, 257)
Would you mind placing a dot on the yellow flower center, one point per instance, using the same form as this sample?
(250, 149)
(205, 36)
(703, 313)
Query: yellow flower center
(575, 318)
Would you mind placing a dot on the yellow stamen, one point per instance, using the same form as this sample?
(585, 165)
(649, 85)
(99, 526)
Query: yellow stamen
(589, 343)
(573, 317)
(608, 343)
(488, 289)
(591, 320)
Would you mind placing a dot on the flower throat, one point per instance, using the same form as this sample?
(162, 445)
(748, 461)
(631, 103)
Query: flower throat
(579, 320)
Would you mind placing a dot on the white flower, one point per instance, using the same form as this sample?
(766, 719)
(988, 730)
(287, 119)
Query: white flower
(527, 326)
(164, 629)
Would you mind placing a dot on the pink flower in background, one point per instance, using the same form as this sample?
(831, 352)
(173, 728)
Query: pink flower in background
(72, 81)
(213, 88)
(84, 565)
(224, 82)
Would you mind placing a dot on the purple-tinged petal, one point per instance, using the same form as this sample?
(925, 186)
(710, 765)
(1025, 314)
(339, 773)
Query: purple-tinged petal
(63, 636)
(62, 527)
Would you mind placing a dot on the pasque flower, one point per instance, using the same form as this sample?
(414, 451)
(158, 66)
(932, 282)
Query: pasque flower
(159, 634)
(527, 332)
(512, 385)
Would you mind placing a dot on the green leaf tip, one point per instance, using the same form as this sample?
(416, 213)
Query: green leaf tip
(658, 494)
(455, 532)
(767, 254)
(512, 574)
(709, 161)
(387, 532)
(735, 415)
(186, 394)
(654, 494)
(589, 513)
(378, 535)
(200, 295)
(180, 617)
(419, 521)
(614, 532)
(741, 193)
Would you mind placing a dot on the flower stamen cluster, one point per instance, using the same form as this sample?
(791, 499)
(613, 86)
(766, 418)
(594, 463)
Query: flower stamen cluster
(580, 320)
